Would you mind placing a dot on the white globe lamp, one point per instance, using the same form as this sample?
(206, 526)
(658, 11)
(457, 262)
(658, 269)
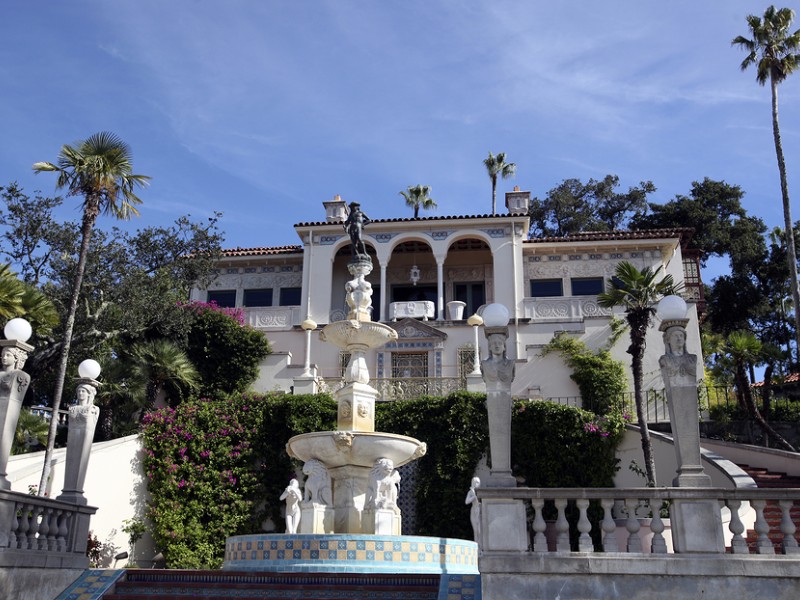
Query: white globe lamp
(89, 369)
(495, 315)
(671, 308)
(18, 329)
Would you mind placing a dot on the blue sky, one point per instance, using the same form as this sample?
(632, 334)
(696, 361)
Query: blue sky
(264, 109)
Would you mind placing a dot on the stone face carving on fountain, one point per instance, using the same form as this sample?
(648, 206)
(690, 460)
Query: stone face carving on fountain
(353, 453)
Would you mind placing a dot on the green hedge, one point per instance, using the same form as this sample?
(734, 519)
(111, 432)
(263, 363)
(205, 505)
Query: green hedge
(217, 468)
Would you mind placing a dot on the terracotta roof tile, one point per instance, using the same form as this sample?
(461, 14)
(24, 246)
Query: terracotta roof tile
(790, 378)
(262, 251)
(412, 219)
(685, 233)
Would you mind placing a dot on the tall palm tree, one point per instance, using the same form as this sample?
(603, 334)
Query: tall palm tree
(638, 292)
(99, 169)
(497, 165)
(418, 196)
(774, 52)
(745, 348)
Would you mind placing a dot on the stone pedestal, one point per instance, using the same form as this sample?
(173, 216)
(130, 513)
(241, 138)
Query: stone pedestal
(316, 518)
(498, 407)
(82, 423)
(696, 526)
(500, 525)
(475, 383)
(306, 384)
(349, 494)
(356, 403)
(382, 521)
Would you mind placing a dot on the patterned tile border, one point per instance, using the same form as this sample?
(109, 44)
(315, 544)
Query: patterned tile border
(92, 584)
(347, 553)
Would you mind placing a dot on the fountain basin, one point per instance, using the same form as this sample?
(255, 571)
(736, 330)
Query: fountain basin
(362, 449)
(364, 334)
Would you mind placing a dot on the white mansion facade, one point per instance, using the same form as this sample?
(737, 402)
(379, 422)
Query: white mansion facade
(424, 270)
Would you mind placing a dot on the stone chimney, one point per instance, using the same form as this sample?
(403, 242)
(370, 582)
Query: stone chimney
(518, 202)
(335, 210)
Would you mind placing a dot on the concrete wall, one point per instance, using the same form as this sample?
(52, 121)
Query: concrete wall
(718, 577)
(114, 484)
(35, 584)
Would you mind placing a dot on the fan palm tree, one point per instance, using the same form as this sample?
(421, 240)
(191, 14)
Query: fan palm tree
(418, 196)
(773, 50)
(497, 165)
(30, 428)
(99, 169)
(161, 365)
(638, 291)
(745, 348)
(19, 299)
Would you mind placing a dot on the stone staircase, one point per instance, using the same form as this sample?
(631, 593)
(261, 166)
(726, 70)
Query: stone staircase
(156, 584)
(772, 512)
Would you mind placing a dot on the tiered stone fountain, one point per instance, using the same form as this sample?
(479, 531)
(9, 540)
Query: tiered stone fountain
(359, 460)
(349, 518)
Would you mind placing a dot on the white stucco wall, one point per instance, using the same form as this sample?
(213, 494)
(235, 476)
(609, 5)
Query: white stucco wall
(114, 484)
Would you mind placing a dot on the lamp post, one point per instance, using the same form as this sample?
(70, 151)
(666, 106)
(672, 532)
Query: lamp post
(308, 326)
(476, 321)
(82, 423)
(696, 526)
(498, 374)
(13, 385)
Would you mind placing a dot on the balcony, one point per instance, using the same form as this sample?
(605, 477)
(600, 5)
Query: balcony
(563, 308)
(273, 317)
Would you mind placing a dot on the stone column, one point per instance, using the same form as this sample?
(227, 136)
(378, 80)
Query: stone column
(440, 316)
(13, 385)
(82, 423)
(696, 525)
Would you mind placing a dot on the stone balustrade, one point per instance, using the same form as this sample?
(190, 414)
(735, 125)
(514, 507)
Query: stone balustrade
(563, 308)
(405, 388)
(633, 504)
(273, 317)
(42, 532)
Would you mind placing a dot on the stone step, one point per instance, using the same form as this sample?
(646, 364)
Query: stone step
(219, 585)
(765, 478)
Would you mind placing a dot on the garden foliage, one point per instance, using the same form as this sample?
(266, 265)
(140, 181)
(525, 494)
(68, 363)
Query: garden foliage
(217, 468)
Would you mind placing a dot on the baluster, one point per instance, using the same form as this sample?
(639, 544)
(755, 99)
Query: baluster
(52, 535)
(788, 528)
(738, 543)
(658, 545)
(609, 526)
(584, 527)
(12, 538)
(63, 530)
(562, 526)
(44, 528)
(539, 539)
(24, 527)
(632, 525)
(764, 544)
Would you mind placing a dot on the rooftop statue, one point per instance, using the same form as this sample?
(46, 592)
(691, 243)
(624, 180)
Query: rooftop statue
(354, 225)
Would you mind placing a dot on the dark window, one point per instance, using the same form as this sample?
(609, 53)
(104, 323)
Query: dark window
(541, 288)
(586, 286)
(290, 296)
(261, 297)
(226, 298)
(473, 294)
